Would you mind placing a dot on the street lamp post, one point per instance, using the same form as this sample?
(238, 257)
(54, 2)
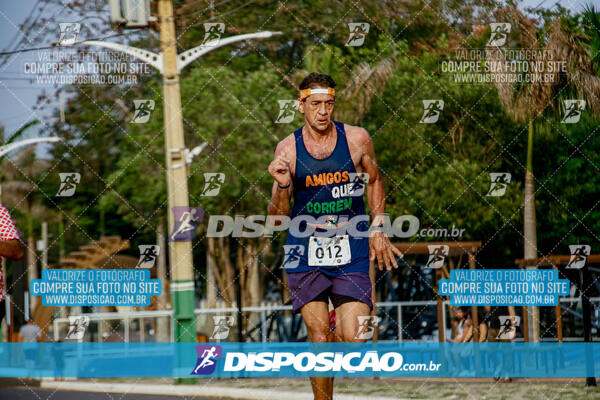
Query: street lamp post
(170, 64)
(13, 146)
(180, 253)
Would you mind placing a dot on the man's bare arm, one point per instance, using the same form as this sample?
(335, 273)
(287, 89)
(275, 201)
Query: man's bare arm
(280, 201)
(380, 246)
(468, 330)
(281, 173)
(375, 190)
(483, 332)
(11, 249)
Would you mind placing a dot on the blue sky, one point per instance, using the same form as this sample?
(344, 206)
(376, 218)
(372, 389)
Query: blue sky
(18, 95)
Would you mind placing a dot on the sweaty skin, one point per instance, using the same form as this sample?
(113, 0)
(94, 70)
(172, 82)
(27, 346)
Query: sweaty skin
(320, 137)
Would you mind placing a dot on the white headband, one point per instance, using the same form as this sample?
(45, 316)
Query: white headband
(304, 93)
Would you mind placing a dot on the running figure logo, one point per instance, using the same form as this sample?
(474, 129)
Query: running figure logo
(222, 325)
(68, 33)
(358, 183)
(186, 223)
(499, 34)
(68, 183)
(508, 327)
(437, 255)
(366, 327)
(358, 33)
(77, 327)
(143, 109)
(212, 33)
(148, 255)
(207, 359)
(212, 183)
(431, 111)
(579, 254)
(499, 183)
(287, 111)
(292, 255)
(573, 109)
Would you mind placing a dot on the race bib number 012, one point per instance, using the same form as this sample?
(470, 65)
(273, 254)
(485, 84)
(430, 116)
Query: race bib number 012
(324, 251)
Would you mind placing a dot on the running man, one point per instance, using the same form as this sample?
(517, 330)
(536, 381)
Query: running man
(186, 223)
(144, 109)
(432, 110)
(69, 183)
(580, 254)
(357, 34)
(498, 184)
(149, 255)
(10, 247)
(213, 183)
(500, 34)
(292, 255)
(574, 110)
(286, 111)
(307, 165)
(436, 257)
(207, 359)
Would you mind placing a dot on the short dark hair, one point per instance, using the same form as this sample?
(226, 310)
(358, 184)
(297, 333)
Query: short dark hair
(314, 80)
(464, 309)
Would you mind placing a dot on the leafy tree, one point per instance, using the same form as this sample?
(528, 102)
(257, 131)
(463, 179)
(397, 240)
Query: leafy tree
(527, 102)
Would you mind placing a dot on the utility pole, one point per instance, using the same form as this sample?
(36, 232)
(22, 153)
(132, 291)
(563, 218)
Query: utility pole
(162, 323)
(170, 64)
(180, 253)
(44, 245)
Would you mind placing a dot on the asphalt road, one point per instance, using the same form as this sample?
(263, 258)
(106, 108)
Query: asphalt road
(35, 393)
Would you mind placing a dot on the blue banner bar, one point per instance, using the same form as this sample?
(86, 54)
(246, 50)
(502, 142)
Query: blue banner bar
(96, 287)
(390, 359)
(504, 287)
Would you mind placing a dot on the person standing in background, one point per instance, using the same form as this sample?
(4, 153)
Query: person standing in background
(30, 332)
(10, 247)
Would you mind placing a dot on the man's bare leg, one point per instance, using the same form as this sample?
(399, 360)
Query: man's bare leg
(316, 318)
(346, 320)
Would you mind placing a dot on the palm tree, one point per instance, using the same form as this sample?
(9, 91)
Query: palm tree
(525, 103)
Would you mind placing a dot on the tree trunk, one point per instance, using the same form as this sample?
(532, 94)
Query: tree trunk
(225, 273)
(211, 282)
(61, 237)
(253, 287)
(162, 323)
(529, 230)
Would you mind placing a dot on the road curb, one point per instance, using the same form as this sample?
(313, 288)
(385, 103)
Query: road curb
(194, 390)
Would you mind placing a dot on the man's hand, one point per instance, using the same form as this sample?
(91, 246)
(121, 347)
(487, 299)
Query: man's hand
(381, 248)
(280, 169)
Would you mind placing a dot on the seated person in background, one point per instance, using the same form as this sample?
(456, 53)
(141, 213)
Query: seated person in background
(485, 324)
(462, 334)
(464, 325)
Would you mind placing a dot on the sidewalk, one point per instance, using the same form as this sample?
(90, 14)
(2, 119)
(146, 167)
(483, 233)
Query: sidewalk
(197, 391)
(345, 388)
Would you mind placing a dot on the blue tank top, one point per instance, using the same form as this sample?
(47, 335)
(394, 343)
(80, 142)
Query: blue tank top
(321, 189)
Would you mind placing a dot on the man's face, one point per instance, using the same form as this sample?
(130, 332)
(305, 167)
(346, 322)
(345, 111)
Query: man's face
(317, 110)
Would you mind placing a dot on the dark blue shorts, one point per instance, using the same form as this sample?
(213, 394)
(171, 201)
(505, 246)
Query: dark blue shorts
(307, 286)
